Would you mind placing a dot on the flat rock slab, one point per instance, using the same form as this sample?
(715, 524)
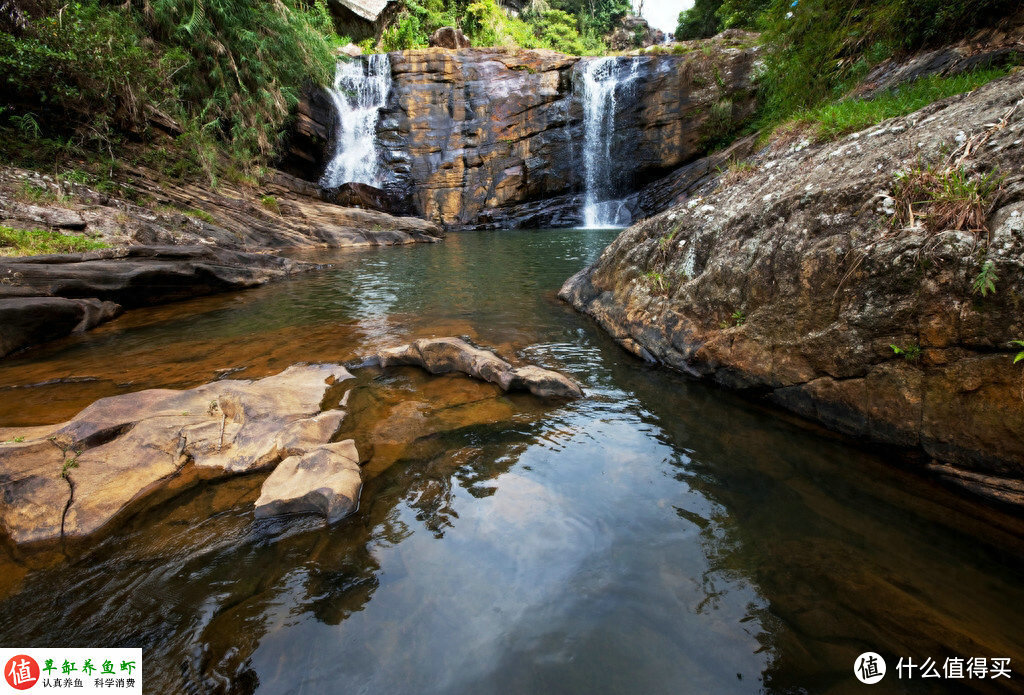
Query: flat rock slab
(323, 481)
(71, 479)
(445, 355)
(47, 297)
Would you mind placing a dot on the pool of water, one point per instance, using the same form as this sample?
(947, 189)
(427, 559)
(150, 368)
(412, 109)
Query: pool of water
(659, 536)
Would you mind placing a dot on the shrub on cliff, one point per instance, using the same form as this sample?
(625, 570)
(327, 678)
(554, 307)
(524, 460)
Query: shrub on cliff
(226, 71)
(816, 49)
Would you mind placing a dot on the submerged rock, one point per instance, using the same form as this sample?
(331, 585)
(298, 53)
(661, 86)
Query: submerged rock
(445, 355)
(69, 480)
(324, 481)
(789, 280)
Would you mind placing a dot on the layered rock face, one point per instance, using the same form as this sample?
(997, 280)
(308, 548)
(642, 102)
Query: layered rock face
(489, 138)
(789, 278)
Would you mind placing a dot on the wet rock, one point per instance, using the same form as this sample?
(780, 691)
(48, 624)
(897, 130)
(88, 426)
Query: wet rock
(450, 38)
(481, 137)
(786, 281)
(363, 195)
(46, 297)
(26, 321)
(324, 481)
(70, 480)
(446, 355)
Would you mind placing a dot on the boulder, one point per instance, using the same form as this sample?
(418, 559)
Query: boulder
(323, 481)
(446, 355)
(363, 195)
(350, 50)
(450, 38)
(70, 480)
(791, 279)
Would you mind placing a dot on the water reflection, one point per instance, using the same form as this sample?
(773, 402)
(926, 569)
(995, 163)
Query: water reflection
(659, 536)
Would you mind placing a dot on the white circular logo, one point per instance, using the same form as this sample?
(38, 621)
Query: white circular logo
(869, 668)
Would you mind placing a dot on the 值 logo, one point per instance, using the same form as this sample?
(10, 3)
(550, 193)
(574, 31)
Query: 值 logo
(21, 672)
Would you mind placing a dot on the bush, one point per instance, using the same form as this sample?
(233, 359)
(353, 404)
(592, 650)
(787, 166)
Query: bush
(819, 48)
(228, 71)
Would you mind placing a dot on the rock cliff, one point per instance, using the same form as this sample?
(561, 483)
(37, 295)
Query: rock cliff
(798, 277)
(488, 138)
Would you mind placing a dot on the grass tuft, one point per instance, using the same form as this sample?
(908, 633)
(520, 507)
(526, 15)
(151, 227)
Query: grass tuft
(20, 242)
(952, 198)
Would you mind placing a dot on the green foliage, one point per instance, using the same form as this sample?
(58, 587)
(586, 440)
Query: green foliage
(201, 215)
(559, 32)
(657, 282)
(1020, 355)
(69, 464)
(270, 203)
(595, 17)
(816, 50)
(911, 353)
(708, 17)
(985, 282)
(949, 198)
(15, 440)
(228, 71)
(21, 242)
(738, 318)
(838, 118)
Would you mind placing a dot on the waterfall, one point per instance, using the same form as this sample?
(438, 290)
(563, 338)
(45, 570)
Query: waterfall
(360, 91)
(599, 80)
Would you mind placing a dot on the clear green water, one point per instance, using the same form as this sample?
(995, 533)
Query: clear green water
(659, 536)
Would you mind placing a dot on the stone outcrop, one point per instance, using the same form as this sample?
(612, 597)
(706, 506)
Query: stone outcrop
(367, 197)
(490, 132)
(447, 355)
(788, 278)
(47, 297)
(286, 212)
(634, 32)
(323, 481)
(480, 138)
(70, 480)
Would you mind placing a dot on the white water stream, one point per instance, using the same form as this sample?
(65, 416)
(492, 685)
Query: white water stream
(360, 91)
(599, 78)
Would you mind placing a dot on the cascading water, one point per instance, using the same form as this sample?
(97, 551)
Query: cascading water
(599, 80)
(360, 91)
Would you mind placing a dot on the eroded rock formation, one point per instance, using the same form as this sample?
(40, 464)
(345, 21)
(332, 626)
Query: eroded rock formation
(447, 355)
(69, 480)
(787, 277)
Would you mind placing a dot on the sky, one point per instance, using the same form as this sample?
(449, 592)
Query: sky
(663, 14)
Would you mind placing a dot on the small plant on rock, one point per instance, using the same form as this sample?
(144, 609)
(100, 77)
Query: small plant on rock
(270, 203)
(657, 282)
(946, 199)
(911, 353)
(985, 282)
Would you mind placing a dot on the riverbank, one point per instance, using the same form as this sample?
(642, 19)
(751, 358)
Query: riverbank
(157, 241)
